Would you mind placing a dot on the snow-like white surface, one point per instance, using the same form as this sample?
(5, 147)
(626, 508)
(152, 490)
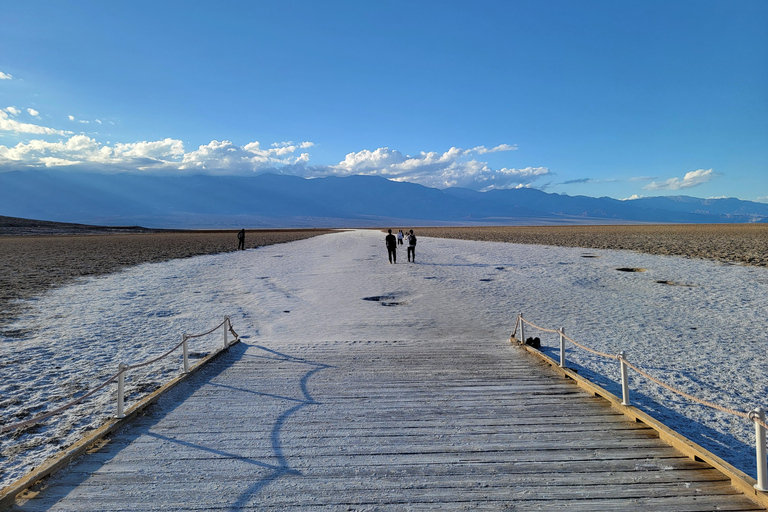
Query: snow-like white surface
(705, 334)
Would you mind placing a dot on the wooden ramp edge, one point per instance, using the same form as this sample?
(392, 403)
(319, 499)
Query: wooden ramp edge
(739, 480)
(8, 494)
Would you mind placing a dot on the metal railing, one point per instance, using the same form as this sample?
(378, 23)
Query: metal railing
(757, 415)
(120, 377)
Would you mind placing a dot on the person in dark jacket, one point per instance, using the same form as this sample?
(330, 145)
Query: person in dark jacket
(411, 246)
(241, 240)
(391, 242)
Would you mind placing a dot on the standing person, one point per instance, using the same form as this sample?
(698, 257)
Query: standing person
(411, 246)
(400, 237)
(391, 242)
(241, 240)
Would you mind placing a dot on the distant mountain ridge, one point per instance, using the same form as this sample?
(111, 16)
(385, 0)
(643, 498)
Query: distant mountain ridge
(272, 200)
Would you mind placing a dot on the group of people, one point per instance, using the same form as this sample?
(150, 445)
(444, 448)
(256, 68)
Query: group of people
(392, 241)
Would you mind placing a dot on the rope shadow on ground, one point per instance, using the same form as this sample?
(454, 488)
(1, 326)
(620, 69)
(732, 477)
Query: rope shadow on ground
(57, 488)
(277, 447)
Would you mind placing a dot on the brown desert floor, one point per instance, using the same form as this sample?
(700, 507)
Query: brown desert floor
(30, 265)
(745, 244)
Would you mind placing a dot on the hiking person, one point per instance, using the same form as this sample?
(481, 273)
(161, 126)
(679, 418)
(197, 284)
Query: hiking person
(411, 246)
(391, 242)
(241, 240)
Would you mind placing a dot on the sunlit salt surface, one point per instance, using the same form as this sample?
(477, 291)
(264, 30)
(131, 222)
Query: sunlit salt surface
(695, 324)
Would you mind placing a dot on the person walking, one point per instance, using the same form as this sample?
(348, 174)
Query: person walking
(391, 242)
(400, 237)
(241, 240)
(411, 246)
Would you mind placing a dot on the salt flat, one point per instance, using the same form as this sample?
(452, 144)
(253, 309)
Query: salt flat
(331, 308)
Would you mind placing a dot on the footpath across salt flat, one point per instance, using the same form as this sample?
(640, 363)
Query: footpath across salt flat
(361, 385)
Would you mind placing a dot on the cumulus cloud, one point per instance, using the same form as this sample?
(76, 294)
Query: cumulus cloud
(452, 168)
(632, 197)
(455, 167)
(5, 76)
(33, 112)
(11, 125)
(71, 118)
(13, 111)
(691, 179)
(163, 156)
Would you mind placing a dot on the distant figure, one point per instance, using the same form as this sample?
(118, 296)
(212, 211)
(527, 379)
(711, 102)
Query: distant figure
(241, 240)
(411, 246)
(391, 242)
(400, 237)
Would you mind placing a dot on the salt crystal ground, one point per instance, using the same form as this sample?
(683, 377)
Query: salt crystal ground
(703, 334)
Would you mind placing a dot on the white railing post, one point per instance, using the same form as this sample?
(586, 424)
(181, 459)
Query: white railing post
(121, 389)
(562, 347)
(186, 353)
(624, 380)
(762, 463)
(226, 321)
(522, 329)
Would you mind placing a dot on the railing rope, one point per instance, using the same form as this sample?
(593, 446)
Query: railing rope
(120, 378)
(757, 416)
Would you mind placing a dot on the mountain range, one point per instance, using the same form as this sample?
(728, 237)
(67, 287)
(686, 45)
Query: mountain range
(274, 200)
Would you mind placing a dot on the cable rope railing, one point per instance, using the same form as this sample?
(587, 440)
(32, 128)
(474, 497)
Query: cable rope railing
(757, 415)
(120, 378)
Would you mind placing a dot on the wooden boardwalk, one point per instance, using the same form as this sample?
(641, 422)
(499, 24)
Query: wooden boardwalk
(449, 424)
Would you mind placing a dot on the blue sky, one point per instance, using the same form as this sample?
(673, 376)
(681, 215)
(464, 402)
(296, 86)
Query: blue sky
(598, 98)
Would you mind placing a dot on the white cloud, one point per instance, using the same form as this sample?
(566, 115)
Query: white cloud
(166, 149)
(5, 76)
(13, 111)
(691, 179)
(481, 150)
(11, 125)
(432, 169)
(632, 197)
(227, 158)
(762, 199)
(71, 118)
(452, 168)
(165, 156)
(33, 112)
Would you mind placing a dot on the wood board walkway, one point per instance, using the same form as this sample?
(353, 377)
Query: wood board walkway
(448, 424)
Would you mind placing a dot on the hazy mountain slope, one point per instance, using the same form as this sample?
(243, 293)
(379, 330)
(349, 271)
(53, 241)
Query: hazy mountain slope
(280, 200)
